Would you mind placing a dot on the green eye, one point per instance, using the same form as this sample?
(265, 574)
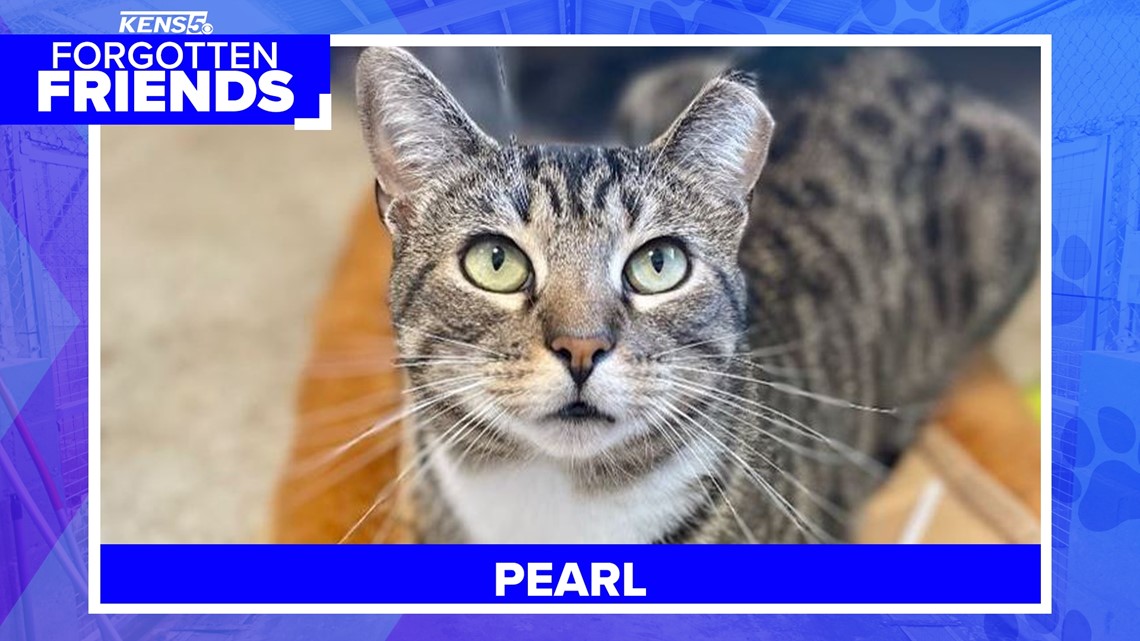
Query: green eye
(657, 267)
(496, 265)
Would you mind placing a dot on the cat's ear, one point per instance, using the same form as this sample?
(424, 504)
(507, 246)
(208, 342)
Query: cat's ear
(723, 135)
(412, 125)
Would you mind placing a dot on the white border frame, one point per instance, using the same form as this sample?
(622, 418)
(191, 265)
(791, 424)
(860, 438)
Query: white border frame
(1043, 41)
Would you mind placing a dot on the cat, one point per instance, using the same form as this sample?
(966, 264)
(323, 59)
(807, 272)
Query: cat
(727, 334)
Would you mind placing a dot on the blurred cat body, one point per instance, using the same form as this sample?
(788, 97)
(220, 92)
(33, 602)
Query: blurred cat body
(630, 345)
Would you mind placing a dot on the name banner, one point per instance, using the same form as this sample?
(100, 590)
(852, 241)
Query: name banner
(164, 79)
(475, 574)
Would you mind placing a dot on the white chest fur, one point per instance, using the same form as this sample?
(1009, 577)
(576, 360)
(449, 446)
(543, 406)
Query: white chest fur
(537, 502)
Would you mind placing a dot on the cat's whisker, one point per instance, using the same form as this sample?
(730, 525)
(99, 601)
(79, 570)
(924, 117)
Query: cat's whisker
(503, 410)
(786, 421)
(311, 464)
(676, 440)
(749, 535)
(390, 488)
(795, 391)
(444, 382)
(767, 350)
(836, 453)
(809, 337)
(451, 341)
(784, 372)
(833, 451)
(362, 405)
(334, 475)
(414, 466)
(411, 360)
(391, 440)
(802, 522)
(827, 506)
(357, 406)
(441, 363)
(383, 424)
(762, 483)
(797, 518)
(833, 510)
(365, 405)
(435, 356)
(450, 436)
(706, 341)
(721, 395)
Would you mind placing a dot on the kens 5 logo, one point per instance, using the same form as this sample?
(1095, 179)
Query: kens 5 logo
(186, 22)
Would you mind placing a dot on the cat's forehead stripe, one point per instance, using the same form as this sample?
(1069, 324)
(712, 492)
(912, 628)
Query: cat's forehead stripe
(520, 200)
(578, 182)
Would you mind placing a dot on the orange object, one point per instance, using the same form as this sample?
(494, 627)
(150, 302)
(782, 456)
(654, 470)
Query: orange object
(348, 385)
(987, 415)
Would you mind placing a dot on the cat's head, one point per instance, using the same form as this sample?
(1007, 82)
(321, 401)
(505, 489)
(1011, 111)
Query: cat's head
(562, 296)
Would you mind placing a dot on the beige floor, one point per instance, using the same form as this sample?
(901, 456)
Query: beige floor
(217, 242)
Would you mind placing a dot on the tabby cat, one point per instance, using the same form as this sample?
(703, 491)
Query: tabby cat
(633, 344)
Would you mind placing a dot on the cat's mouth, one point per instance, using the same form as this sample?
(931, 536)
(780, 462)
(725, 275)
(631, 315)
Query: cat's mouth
(577, 430)
(581, 411)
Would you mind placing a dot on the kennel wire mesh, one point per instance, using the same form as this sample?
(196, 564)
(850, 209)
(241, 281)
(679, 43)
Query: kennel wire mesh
(1096, 178)
(43, 179)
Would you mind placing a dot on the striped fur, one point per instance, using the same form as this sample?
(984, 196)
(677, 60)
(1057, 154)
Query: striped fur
(763, 399)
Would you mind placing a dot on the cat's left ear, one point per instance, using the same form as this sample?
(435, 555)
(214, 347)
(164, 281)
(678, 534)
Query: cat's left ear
(722, 136)
(412, 125)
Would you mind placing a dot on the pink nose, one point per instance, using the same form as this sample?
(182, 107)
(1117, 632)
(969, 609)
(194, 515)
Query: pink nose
(580, 354)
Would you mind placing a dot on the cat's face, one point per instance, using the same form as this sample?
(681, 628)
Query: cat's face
(562, 296)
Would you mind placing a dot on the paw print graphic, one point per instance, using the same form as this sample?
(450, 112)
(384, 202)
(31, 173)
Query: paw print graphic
(1075, 260)
(1111, 493)
(912, 16)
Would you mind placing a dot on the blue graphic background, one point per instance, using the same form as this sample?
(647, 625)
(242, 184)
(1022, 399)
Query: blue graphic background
(1095, 351)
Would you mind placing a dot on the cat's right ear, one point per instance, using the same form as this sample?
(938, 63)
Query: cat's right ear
(413, 127)
(723, 135)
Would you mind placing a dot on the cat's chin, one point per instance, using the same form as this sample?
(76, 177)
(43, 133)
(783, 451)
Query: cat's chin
(575, 434)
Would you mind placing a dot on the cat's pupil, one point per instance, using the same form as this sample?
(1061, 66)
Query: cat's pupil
(498, 256)
(657, 259)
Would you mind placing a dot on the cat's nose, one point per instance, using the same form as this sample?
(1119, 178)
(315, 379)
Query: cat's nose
(581, 354)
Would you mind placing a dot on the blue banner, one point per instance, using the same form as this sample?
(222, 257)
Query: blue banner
(577, 573)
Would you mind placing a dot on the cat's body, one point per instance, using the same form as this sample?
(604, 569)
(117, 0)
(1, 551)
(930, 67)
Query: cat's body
(762, 395)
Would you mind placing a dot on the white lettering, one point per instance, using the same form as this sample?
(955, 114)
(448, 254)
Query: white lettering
(277, 96)
(571, 580)
(223, 102)
(609, 581)
(538, 574)
(93, 87)
(502, 580)
(53, 84)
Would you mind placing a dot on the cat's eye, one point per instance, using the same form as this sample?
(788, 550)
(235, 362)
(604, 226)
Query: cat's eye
(657, 267)
(495, 264)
